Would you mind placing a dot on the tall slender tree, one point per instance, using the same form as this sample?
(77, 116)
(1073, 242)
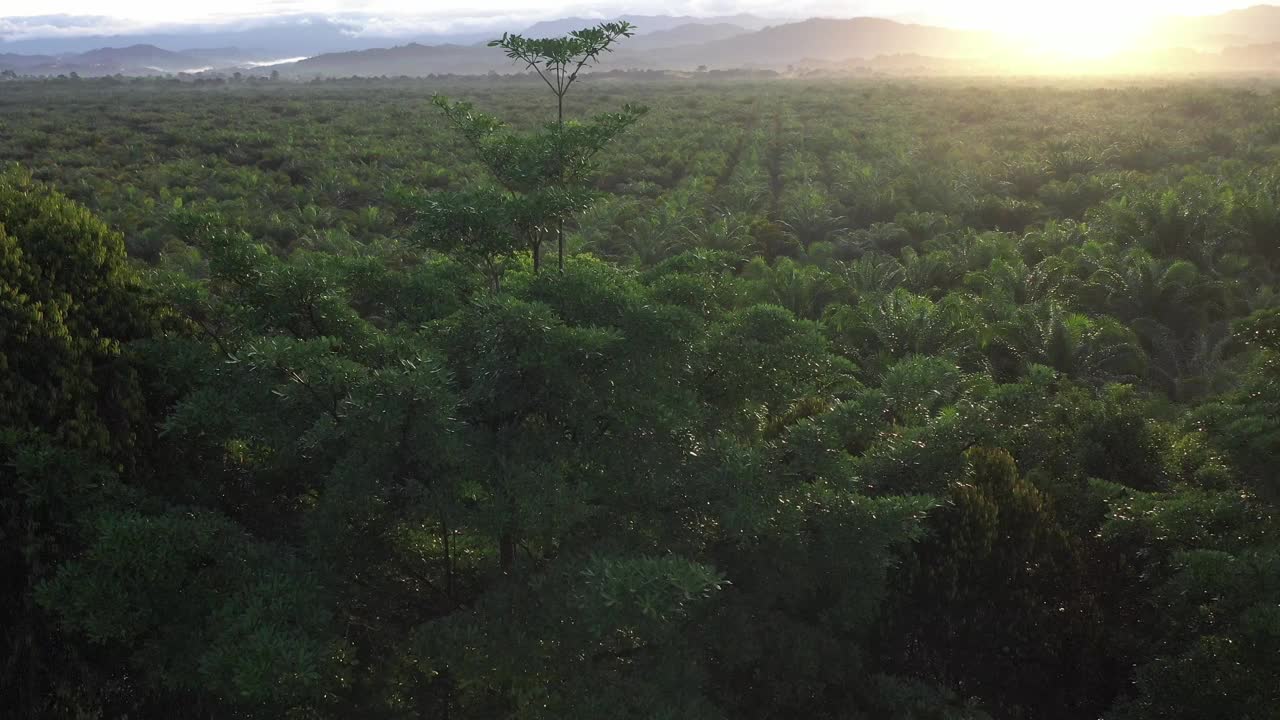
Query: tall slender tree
(543, 173)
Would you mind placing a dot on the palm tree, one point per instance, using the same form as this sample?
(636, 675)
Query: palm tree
(1093, 350)
(1012, 282)
(935, 273)
(805, 290)
(1194, 366)
(809, 213)
(899, 324)
(660, 233)
(887, 238)
(1142, 289)
(1256, 215)
(600, 228)
(872, 274)
(722, 230)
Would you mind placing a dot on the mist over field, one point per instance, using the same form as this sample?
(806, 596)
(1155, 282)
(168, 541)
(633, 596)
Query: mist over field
(697, 359)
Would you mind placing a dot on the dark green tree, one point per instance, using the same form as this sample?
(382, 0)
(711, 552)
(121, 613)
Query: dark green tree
(994, 602)
(71, 412)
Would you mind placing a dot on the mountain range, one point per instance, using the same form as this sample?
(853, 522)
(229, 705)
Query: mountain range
(291, 36)
(1257, 24)
(308, 35)
(135, 60)
(646, 24)
(718, 46)
(1244, 40)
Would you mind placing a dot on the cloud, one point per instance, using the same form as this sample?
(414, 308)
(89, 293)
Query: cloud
(13, 29)
(364, 18)
(52, 26)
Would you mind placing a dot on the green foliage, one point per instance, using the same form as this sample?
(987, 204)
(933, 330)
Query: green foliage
(1245, 424)
(71, 404)
(881, 329)
(1210, 621)
(558, 61)
(200, 608)
(544, 173)
(995, 600)
(738, 459)
(481, 226)
(70, 303)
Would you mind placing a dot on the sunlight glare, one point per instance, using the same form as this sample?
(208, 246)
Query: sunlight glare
(1086, 29)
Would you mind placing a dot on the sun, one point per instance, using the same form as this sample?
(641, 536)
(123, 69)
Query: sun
(1082, 29)
(1083, 37)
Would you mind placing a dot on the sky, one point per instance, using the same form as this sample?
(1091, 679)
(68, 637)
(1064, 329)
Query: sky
(1106, 19)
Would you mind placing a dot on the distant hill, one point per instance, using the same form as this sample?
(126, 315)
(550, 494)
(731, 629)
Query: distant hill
(13, 61)
(412, 59)
(138, 59)
(719, 46)
(133, 60)
(645, 24)
(692, 34)
(135, 56)
(1260, 56)
(309, 35)
(292, 36)
(831, 40)
(1255, 25)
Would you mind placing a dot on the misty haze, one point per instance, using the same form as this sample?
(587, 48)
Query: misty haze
(671, 359)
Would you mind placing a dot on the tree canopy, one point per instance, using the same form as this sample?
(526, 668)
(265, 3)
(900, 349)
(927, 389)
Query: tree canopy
(849, 399)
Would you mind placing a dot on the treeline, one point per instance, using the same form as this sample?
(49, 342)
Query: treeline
(852, 401)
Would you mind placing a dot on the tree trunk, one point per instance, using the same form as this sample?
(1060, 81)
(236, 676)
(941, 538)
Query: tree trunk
(507, 552)
(560, 168)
